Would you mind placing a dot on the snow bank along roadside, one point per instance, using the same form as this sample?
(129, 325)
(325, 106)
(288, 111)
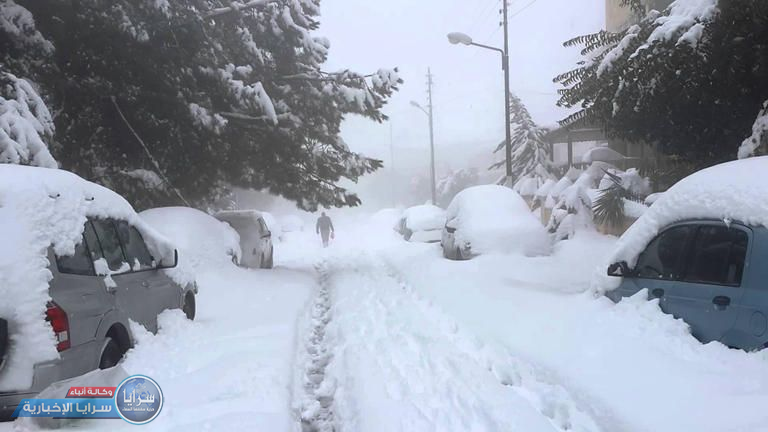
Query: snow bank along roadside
(42, 208)
(639, 368)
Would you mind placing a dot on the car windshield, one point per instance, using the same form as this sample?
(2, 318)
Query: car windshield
(360, 215)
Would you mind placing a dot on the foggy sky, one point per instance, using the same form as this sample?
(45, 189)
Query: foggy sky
(468, 93)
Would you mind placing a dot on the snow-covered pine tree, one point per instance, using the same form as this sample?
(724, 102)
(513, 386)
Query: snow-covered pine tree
(688, 79)
(455, 182)
(531, 162)
(25, 122)
(221, 94)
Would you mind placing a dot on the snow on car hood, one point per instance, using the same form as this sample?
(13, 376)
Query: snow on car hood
(735, 191)
(42, 208)
(494, 218)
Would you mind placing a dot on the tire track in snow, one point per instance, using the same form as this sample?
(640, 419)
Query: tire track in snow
(429, 374)
(315, 408)
(565, 411)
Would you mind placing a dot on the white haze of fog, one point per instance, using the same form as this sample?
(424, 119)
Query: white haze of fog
(469, 90)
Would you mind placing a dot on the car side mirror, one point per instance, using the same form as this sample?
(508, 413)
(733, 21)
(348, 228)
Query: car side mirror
(165, 265)
(268, 234)
(619, 269)
(450, 227)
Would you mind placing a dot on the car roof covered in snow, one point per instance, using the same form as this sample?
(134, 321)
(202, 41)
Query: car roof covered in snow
(238, 214)
(424, 217)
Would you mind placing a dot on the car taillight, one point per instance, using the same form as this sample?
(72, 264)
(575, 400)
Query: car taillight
(60, 324)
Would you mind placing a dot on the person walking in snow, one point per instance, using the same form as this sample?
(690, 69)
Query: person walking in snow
(324, 227)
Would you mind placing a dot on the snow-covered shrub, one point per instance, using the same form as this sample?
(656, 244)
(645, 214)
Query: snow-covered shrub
(620, 195)
(572, 213)
(572, 210)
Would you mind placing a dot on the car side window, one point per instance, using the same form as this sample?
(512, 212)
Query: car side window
(663, 257)
(718, 256)
(80, 262)
(263, 226)
(110, 244)
(133, 244)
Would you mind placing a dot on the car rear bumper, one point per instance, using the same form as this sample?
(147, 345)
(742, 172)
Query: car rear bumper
(9, 402)
(75, 361)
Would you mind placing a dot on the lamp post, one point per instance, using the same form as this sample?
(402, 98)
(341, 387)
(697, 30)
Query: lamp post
(431, 147)
(461, 38)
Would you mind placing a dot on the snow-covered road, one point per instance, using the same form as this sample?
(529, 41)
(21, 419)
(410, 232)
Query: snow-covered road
(398, 364)
(376, 334)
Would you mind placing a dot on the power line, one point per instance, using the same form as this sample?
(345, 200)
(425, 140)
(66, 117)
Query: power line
(519, 11)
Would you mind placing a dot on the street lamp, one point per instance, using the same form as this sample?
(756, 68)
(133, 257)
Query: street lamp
(463, 39)
(431, 148)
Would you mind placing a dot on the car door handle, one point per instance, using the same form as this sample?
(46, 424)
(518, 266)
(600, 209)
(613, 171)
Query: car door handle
(721, 302)
(658, 293)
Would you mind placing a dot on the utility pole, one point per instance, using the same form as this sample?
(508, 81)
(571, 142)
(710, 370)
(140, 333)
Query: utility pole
(392, 162)
(431, 139)
(508, 114)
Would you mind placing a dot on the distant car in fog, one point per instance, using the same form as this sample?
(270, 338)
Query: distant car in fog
(491, 219)
(273, 225)
(422, 223)
(255, 237)
(201, 238)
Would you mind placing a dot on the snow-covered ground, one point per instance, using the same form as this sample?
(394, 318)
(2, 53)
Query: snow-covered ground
(375, 333)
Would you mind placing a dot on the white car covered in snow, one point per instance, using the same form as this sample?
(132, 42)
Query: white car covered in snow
(423, 223)
(491, 219)
(202, 240)
(255, 237)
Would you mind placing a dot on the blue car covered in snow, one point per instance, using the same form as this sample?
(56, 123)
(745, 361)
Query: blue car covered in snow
(701, 251)
(708, 273)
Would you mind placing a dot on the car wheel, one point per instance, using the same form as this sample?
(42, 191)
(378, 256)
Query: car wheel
(461, 256)
(189, 308)
(271, 259)
(111, 354)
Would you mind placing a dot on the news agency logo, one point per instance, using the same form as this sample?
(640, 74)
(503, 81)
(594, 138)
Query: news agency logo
(138, 399)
